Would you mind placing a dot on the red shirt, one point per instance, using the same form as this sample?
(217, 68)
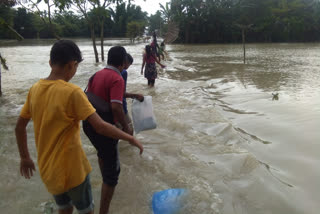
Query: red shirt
(108, 84)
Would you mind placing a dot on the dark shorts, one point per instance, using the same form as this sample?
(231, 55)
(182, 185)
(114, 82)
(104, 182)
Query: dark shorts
(107, 149)
(79, 196)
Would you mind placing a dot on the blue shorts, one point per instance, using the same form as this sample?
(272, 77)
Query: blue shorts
(79, 196)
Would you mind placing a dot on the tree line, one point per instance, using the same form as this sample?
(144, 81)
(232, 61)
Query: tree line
(199, 21)
(69, 23)
(222, 21)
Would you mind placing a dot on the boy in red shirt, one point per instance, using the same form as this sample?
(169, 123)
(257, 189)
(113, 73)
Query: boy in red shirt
(109, 85)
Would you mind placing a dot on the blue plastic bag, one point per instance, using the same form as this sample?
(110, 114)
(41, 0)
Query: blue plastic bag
(168, 201)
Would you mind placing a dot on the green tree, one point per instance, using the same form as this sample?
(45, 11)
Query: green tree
(120, 20)
(6, 6)
(27, 24)
(155, 22)
(271, 20)
(135, 29)
(7, 21)
(71, 24)
(45, 14)
(95, 16)
(82, 6)
(123, 15)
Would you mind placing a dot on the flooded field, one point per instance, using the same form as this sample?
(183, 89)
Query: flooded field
(222, 133)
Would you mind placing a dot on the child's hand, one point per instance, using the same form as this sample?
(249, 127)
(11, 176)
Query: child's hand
(27, 167)
(163, 66)
(136, 143)
(139, 97)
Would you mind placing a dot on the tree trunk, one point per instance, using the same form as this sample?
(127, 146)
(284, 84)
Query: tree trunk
(93, 37)
(244, 45)
(102, 41)
(19, 37)
(54, 32)
(0, 81)
(51, 25)
(187, 34)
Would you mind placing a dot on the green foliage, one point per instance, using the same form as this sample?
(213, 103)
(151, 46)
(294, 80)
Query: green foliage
(6, 17)
(125, 14)
(71, 25)
(26, 23)
(199, 21)
(155, 22)
(135, 29)
(68, 24)
(8, 3)
(271, 20)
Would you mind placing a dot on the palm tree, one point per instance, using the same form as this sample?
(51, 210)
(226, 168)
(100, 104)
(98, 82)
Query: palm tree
(173, 29)
(166, 11)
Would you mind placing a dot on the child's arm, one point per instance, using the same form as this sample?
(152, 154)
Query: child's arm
(162, 66)
(26, 163)
(106, 129)
(143, 63)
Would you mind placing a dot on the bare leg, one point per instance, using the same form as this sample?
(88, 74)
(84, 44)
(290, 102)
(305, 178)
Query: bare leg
(106, 197)
(152, 83)
(106, 194)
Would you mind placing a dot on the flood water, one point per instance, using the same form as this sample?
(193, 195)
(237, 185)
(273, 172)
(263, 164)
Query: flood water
(221, 134)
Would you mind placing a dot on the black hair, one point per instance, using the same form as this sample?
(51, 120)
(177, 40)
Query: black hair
(117, 56)
(148, 51)
(129, 58)
(65, 51)
(162, 44)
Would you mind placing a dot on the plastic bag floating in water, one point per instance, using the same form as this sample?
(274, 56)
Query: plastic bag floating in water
(169, 201)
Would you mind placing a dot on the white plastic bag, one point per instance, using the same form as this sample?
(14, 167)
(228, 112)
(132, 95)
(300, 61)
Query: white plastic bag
(142, 115)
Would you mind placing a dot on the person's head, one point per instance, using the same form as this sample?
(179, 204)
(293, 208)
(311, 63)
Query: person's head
(117, 57)
(129, 61)
(162, 44)
(65, 56)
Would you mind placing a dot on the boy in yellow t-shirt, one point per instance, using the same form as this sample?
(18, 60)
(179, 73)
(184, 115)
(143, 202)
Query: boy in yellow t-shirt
(56, 108)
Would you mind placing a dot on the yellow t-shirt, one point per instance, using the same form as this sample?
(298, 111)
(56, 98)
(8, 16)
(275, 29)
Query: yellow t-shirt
(56, 108)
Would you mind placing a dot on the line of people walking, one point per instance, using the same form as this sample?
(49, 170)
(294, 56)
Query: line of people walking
(56, 108)
(152, 55)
